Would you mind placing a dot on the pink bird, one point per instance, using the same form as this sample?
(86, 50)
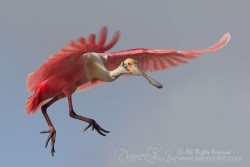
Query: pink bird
(83, 64)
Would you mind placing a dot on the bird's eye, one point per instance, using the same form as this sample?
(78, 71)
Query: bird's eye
(129, 64)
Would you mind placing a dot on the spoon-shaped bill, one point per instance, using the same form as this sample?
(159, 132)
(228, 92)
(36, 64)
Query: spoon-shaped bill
(150, 80)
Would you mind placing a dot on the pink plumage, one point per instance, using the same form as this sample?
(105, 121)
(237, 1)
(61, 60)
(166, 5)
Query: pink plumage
(84, 63)
(71, 51)
(159, 59)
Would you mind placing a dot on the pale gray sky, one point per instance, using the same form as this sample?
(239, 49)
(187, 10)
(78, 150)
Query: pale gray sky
(203, 105)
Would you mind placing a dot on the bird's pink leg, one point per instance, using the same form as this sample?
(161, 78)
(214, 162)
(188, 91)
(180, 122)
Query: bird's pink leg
(52, 130)
(91, 122)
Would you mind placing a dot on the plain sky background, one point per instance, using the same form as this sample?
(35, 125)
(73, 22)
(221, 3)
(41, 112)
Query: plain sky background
(203, 105)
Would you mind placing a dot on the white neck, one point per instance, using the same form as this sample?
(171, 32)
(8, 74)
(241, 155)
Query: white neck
(117, 72)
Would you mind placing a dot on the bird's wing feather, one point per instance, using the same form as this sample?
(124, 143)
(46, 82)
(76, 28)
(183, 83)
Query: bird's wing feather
(153, 60)
(89, 84)
(159, 59)
(65, 56)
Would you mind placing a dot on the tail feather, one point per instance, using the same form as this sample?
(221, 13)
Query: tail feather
(36, 101)
(33, 103)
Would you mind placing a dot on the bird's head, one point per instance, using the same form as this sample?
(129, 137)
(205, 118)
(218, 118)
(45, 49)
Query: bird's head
(132, 67)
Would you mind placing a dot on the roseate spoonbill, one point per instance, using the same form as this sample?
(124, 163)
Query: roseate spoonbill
(83, 64)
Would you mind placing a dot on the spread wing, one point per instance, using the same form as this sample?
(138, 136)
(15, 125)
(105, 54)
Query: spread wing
(70, 53)
(159, 59)
(154, 59)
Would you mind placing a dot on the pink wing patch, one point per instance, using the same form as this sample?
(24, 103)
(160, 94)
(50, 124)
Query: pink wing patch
(159, 59)
(89, 84)
(155, 59)
(70, 53)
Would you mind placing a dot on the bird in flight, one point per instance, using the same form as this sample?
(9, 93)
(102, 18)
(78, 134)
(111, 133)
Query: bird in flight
(84, 63)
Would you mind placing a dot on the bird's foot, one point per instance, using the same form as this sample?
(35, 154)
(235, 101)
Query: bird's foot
(52, 137)
(95, 126)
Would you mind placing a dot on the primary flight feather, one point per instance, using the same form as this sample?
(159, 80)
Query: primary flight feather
(84, 63)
